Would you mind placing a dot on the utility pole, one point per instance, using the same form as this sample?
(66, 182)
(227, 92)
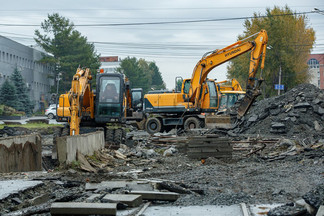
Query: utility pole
(279, 80)
(58, 78)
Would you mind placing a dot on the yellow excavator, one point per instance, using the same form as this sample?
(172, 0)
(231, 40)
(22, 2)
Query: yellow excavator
(111, 102)
(199, 94)
(230, 92)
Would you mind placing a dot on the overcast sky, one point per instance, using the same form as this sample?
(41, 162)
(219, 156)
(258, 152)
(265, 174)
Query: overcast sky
(175, 47)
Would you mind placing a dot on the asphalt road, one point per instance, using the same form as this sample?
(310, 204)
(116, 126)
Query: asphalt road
(24, 121)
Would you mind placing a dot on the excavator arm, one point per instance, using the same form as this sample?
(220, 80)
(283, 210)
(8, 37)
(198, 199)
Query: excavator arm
(81, 99)
(213, 59)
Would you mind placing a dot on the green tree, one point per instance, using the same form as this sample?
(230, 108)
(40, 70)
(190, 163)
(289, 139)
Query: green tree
(142, 74)
(8, 94)
(157, 80)
(23, 100)
(290, 42)
(69, 48)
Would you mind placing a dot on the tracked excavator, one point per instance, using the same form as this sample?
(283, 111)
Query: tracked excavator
(111, 102)
(199, 94)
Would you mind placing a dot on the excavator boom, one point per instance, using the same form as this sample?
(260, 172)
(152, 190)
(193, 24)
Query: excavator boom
(80, 99)
(217, 57)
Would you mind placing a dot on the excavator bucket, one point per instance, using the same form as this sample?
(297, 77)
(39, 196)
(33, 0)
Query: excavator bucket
(247, 101)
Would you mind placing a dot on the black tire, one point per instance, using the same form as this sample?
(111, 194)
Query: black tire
(192, 123)
(118, 137)
(153, 125)
(50, 116)
(109, 135)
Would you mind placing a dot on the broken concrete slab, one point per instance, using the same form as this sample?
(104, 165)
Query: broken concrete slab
(78, 208)
(109, 185)
(157, 195)
(320, 211)
(140, 187)
(16, 186)
(93, 197)
(86, 144)
(39, 199)
(302, 105)
(129, 199)
(21, 153)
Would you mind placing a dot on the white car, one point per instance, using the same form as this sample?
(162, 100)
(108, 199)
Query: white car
(50, 112)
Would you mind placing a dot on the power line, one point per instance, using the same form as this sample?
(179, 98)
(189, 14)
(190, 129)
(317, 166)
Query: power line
(165, 22)
(138, 9)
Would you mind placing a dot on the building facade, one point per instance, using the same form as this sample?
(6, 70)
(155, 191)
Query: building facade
(109, 64)
(38, 76)
(316, 69)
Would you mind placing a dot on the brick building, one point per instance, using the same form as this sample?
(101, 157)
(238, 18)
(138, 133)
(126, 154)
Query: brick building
(316, 68)
(37, 75)
(109, 63)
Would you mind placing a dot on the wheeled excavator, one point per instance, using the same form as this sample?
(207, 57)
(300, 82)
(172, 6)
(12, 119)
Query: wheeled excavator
(230, 92)
(199, 94)
(111, 102)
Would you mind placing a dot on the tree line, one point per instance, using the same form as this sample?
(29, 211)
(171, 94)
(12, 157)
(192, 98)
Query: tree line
(70, 50)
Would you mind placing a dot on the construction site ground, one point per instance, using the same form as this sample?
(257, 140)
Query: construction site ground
(277, 158)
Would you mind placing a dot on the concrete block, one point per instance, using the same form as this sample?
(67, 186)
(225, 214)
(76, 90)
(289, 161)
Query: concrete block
(21, 153)
(130, 200)
(78, 208)
(157, 195)
(86, 144)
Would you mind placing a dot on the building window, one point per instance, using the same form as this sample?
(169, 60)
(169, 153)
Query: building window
(313, 63)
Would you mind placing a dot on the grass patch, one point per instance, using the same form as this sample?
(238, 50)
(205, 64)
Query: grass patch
(32, 125)
(75, 165)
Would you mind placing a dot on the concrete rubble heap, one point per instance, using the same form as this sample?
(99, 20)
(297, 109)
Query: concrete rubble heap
(299, 113)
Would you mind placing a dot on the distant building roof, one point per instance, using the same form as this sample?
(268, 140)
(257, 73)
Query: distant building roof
(109, 59)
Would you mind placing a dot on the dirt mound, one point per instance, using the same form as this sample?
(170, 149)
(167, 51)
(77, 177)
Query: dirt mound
(298, 113)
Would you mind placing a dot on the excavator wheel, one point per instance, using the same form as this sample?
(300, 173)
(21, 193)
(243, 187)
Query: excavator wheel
(153, 125)
(109, 136)
(192, 123)
(114, 137)
(118, 136)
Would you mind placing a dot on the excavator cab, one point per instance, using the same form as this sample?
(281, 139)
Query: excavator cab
(109, 98)
(137, 99)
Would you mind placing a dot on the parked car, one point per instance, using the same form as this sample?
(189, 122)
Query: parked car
(50, 112)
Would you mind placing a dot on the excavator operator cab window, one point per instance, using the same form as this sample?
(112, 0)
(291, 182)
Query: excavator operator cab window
(212, 94)
(109, 95)
(109, 90)
(137, 99)
(186, 87)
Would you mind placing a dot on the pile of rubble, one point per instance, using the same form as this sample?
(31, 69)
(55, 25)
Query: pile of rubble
(299, 113)
(13, 131)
